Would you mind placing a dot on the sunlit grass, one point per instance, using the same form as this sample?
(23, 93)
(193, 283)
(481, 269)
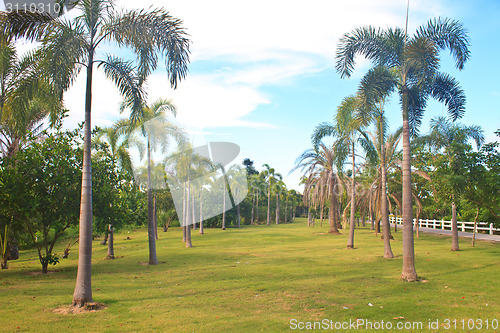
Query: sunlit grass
(253, 279)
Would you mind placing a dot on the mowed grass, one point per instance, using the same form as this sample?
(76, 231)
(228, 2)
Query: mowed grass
(255, 279)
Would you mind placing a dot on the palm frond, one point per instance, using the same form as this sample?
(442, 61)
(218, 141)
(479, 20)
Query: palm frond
(321, 131)
(451, 34)
(147, 31)
(447, 90)
(361, 41)
(122, 73)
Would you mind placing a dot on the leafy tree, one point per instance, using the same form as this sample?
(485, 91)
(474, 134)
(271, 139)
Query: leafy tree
(42, 181)
(409, 65)
(248, 163)
(450, 167)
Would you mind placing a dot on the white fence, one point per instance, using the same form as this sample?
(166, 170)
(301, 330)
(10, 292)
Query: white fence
(446, 225)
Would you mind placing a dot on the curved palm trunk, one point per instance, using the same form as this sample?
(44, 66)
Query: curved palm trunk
(386, 227)
(153, 260)
(454, 228)
(409, 273)
(350, 241)
(83, 288)
(111, 249)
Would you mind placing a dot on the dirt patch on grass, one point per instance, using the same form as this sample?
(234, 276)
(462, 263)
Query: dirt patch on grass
(89, 307)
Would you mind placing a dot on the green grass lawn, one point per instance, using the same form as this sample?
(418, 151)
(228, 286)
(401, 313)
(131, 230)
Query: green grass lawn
(257, 279)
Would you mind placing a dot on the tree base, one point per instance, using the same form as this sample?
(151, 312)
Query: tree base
(409, 278)
(350, 247)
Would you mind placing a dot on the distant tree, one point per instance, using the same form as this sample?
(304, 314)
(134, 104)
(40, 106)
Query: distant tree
(248, 163)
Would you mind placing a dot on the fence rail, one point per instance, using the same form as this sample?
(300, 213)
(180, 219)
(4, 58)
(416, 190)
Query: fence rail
(446, 225)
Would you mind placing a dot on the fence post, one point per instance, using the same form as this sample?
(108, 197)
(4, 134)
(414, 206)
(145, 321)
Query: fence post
(463, 226)
(491, 228)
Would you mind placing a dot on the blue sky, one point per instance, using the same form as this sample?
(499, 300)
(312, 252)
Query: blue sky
(262, 72)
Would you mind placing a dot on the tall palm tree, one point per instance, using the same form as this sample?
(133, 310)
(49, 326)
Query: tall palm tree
(409, 65)
(452, 137)
(347, 131)
(70, 45)
(154, 126)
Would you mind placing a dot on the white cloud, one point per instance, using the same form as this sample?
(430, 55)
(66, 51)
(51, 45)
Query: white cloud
(105, 101)
(257, 43)
(207, 101)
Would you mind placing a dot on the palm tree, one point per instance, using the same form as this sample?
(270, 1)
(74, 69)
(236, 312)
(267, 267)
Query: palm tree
(119, 144)
(385, 147)
(320, 164)
(409, 65)
(272, 177)
(347, 132)
(70, 45)
(452, 138)
(153, 125)
(27, 99)
(278, 188)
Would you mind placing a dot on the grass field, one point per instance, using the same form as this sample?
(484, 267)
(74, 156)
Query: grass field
(259, 279)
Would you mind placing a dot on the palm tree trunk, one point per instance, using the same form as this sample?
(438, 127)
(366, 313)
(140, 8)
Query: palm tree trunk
(253, 209)
(269, 206)
(350, 241)
(286, 209)
(83, 287)
(224, 207)
(188, 208)
(386, 227)
(277, 209)
(194, 215)
(372, 221)
(184, 214)
(475, 228)
(201, 211)
(454, 228)
(409, 273)
(153, 260)
(257, 208)
(155, 216)
(111, 250)
(332, 211)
